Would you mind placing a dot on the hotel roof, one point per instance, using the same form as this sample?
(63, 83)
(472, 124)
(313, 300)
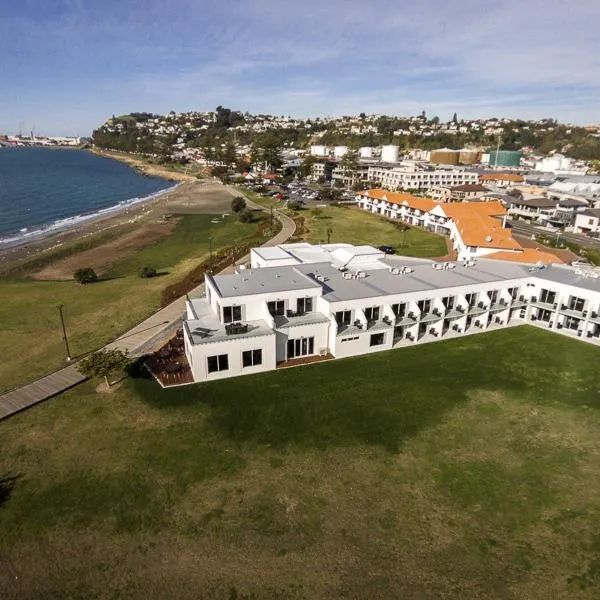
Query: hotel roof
(262, 281)
(425, 276)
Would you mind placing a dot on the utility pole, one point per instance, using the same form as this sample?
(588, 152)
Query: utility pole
(64, 331)
(271, 219)
(210, 268)
(329, 232)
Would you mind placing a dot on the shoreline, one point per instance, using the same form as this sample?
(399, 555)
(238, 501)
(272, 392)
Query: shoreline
(142, 166)
(54, 238)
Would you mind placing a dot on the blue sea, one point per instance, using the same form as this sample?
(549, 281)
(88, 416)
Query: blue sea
(47, 189)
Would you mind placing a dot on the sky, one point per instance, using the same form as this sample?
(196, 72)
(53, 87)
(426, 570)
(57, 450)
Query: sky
(68, 65)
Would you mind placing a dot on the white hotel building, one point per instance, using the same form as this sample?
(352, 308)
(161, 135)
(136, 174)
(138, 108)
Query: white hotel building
(416, 178)
(300, 301)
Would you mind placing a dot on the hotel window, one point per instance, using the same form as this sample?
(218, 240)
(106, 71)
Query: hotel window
(471, 299)
(251, 358)
(377, 339)
(571, 323)
(514, 292)
(493, 296)
(448, 302)
(343, 317)
(547, 296)
(218, 363)
(304, 305)
(276, 308)
(424, 306)
(399, 310)
(372, 313)
(231, 314)
(576, 303)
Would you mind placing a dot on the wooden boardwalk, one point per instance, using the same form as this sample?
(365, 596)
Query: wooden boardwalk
(146, 337)
(36, 391)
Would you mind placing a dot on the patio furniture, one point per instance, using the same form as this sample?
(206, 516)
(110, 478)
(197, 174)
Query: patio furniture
(164, 353)
(173, 368)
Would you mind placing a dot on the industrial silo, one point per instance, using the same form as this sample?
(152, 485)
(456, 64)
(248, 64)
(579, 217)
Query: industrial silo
(468, 156)
(444, 156)
(505, 158)
(365, 152)
(339, 151)
(389, 154)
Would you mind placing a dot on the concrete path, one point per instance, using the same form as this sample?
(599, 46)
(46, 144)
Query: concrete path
(149, 335)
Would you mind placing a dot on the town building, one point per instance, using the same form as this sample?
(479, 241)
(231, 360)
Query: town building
(501, 179)
(475, 229)
(414, 177)
(300, 303)
(588, 222)
(459, 193)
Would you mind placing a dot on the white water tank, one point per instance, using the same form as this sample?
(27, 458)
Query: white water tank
(389, 154)
(318, 150)
(339, 151)
(365, 152)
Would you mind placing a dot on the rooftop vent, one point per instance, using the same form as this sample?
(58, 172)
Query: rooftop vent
(488, 238)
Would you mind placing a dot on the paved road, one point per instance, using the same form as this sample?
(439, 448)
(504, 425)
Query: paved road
(524, 228)
(145, 337)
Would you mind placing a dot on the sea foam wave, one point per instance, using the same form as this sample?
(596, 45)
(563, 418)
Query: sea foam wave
(25, 235)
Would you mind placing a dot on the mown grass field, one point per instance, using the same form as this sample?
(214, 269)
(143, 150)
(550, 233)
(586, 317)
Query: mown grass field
(31, 342)
(468, 468)
(353, 226)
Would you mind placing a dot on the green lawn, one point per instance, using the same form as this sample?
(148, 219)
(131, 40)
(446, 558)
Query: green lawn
(462, 469)
(31, 342)
(354, 226)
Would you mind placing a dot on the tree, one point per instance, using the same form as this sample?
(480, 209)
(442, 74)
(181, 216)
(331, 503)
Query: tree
(148, 272)
(455, 118)
(246, 216)
(238, 204)
(229, 154)
(85, 275)
(294, 205)
(305, 168)
(104, 363)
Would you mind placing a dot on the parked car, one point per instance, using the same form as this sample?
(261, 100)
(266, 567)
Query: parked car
(387, 249)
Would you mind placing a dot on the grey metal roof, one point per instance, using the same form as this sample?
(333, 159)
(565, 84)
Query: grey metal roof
(263, 281)
(534, 202)
(591, 212)
(570, 276)
(382, 282)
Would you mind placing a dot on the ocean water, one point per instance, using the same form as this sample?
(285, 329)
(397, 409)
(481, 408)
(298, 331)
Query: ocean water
(44, 190)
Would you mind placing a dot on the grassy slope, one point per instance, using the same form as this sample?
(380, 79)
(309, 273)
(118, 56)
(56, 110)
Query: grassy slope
(462, 469)
(31, 343)
(357, 227)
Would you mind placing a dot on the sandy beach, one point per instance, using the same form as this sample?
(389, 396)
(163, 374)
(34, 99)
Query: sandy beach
(143, 166)
(189, 196)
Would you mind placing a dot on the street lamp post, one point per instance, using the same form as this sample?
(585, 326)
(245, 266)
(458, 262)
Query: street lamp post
(64, 331)
(210, 268)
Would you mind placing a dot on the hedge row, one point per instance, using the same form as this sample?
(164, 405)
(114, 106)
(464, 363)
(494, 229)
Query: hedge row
(221, 260)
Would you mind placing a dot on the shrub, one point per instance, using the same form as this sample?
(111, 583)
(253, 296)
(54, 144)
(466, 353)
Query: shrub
(238, 204)
(246, 216)
(86, 275)
(104, 363)
(148, 272)
(294, 205)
